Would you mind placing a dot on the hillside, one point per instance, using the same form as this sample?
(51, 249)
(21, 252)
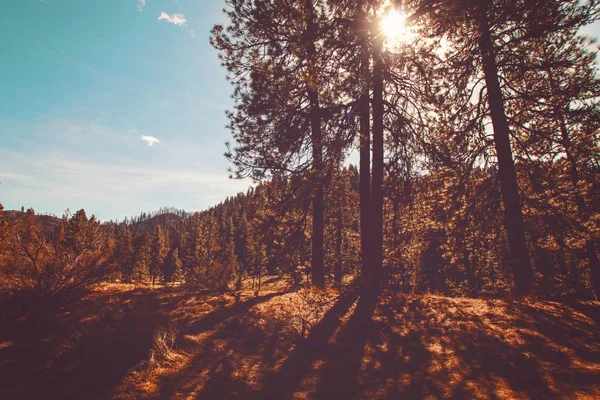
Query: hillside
(122, 342)
(166, 220)
(49, 221)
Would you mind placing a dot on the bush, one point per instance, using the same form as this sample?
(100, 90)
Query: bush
(298, 312)
(47, 257)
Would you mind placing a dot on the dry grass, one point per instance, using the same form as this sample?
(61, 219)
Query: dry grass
(123, 342)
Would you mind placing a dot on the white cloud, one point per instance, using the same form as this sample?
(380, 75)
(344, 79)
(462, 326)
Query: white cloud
(60, 163)
(193, 33)
(150, 140)
(141, 4)
(176, 19)
(115, 187)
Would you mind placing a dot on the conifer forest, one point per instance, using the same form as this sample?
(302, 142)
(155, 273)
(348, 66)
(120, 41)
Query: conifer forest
(423, 222)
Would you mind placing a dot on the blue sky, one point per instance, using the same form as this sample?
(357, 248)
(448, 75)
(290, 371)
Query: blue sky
(82, 83)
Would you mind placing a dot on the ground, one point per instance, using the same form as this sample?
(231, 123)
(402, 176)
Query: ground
(122, 342)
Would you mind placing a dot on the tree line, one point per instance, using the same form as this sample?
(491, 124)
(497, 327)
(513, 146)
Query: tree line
(443, 234)
(262, 231)
(478, 147)
(505, 87)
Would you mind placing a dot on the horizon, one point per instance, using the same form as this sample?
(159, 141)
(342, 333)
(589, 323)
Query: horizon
(115, 130)
(115, 107)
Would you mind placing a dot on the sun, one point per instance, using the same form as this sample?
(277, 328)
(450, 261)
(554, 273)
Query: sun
(393, 26)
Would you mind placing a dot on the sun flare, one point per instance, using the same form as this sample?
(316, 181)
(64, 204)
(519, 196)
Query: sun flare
(393, 26)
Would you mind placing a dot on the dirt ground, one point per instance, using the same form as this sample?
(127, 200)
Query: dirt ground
(122, 342)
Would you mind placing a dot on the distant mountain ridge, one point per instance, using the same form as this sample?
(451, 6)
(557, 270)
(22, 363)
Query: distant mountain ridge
(165, 217)
(50, 221)
(166, 220)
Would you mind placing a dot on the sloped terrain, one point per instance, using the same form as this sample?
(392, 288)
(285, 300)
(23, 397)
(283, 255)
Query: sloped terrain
(164, 220)
(128, 343)
(48, 221)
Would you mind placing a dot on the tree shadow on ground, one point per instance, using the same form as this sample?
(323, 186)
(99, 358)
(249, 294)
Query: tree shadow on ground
(285, 382)
(339, 377)
(224, 332)
(84, 348)
(79, 349)
(230, 359)
(403, 346)
(395, 346)
(437, 347)
(222, 314)
(39, 344)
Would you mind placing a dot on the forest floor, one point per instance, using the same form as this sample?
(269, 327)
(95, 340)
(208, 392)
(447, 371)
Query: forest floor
(121, 342)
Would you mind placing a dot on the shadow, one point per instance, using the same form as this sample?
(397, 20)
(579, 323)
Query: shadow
(339, 377)
(271, 279)
(404, 354)
(287, 379)
(229, 328)
(589, 309)
(79, 349)
(455, 348)
(222, 314)
(395, 346)
(581, 335)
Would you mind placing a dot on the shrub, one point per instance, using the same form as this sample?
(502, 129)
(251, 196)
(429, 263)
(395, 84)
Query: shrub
(47, 257)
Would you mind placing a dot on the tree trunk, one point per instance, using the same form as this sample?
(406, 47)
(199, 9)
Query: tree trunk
(377, 180)
(594, 266)
(563, 269)
(470, 272)
(365, 168)
(259, 282)
(513, 216)
(317, 262)
(337, 272)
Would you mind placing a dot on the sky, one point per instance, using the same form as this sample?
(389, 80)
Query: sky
(114, 106)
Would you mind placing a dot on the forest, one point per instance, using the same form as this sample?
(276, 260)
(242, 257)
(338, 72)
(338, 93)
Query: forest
(409, 159)
(435, 242)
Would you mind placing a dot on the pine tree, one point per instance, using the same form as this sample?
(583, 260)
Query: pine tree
(229, 264)
(342, 224)
(142, 258)
(481, 37)
(62, 261)
(210, 250)
(241, 243)
(76, 235)
(193, 242)
(173, 267)
(159, 253)
(557, 111)
(280, 130)
(124, 255)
